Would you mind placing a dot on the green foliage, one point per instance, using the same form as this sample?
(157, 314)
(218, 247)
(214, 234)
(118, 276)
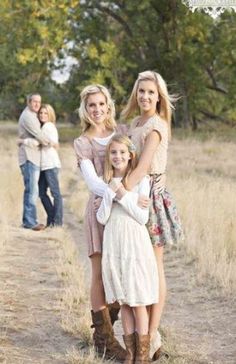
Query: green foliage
(32, 33)
(113, 41)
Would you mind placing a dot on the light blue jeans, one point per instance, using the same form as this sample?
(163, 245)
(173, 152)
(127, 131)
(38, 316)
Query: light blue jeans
(30, 173)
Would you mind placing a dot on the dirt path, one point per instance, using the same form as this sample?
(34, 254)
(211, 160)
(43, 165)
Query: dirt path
(30, 329)
(202, 319)
(198, 318)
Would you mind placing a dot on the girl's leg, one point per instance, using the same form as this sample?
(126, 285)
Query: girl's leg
(97, 295)
(157, 309)
(129, 337)
(127, 319)
(142, 335)
(141, 320)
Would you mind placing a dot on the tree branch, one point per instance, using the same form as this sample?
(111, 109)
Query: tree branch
(215, 86)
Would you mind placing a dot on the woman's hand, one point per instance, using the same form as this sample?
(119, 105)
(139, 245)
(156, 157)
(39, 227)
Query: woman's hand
(97, 203)
(143, 202)
(115, 185)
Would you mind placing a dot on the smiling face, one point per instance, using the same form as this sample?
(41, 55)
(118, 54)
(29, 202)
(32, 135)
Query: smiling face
(147, 97)
(97, 108)
(35, 103)
(119, 157)
(43, 115)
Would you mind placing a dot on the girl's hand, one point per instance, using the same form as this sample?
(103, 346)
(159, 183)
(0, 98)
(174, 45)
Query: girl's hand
(160, 183)
(120, 192)
(143, 202)
(97, 203)
(115, 185)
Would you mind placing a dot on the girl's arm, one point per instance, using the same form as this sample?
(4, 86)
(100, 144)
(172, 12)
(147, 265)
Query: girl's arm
(130, 202)
(104, 210)
(150, 146)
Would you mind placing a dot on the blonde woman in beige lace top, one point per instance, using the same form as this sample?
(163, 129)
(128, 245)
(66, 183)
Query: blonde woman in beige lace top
(150, 131)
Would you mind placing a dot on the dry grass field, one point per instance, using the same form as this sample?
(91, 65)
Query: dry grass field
(44, 305)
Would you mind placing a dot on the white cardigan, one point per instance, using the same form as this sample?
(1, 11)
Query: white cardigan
(129, 202)
(49, 155)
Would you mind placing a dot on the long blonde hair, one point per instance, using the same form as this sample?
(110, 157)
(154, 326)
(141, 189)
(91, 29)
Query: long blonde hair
(109, 169)
(50, 111)
(86, 121)
(164, 105)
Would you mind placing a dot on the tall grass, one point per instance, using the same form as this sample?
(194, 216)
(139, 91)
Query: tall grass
(201, 175)
(202, 178)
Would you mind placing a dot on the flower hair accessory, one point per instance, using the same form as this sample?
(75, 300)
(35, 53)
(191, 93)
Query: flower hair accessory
(132, 148)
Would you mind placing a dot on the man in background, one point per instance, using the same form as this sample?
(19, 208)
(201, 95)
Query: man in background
(29, 160)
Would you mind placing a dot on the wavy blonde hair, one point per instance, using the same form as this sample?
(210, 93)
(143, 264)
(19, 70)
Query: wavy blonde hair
(164, 105)
(132, 163)
(86, 121)
(50, 111)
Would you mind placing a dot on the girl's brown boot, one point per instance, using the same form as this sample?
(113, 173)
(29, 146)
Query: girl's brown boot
(130, 344)
(142, 349)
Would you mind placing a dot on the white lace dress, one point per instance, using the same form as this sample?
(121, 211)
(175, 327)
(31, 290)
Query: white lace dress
(129, 267)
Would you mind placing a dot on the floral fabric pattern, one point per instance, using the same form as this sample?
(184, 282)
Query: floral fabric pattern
(164, 224)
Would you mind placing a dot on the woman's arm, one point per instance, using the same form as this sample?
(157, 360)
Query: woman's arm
(95, 184)
(104, 210)
(150, 146)
(130, 202)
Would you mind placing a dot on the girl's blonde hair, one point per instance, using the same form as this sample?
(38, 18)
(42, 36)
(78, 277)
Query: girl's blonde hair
(132, 163)
(50, 111)
(164, 105)
(86, 121)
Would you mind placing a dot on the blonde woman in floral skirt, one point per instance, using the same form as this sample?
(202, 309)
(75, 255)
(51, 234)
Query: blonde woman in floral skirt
(150, 132)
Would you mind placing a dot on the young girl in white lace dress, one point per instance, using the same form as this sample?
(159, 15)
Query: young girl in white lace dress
(129, 268)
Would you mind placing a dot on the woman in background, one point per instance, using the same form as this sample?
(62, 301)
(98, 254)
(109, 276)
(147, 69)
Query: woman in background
(49, 168)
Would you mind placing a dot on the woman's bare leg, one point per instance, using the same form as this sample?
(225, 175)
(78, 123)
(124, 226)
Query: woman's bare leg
(97, 295)
(157, 309)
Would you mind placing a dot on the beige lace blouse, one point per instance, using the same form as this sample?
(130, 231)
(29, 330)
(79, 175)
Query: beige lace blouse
(139, 134)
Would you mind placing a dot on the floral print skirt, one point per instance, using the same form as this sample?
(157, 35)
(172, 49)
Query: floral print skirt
(164, 224)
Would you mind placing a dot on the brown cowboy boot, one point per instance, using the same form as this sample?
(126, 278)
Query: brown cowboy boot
(105, 342)
(130, 344)
(142, 349)
(114, 309)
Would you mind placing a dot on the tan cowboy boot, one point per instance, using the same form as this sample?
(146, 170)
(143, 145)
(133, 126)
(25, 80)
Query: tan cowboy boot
(130, 344)
(142, 349)
(105, 342)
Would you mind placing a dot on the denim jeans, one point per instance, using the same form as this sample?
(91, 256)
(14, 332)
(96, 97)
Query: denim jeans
(30, 174)
(54, 208)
